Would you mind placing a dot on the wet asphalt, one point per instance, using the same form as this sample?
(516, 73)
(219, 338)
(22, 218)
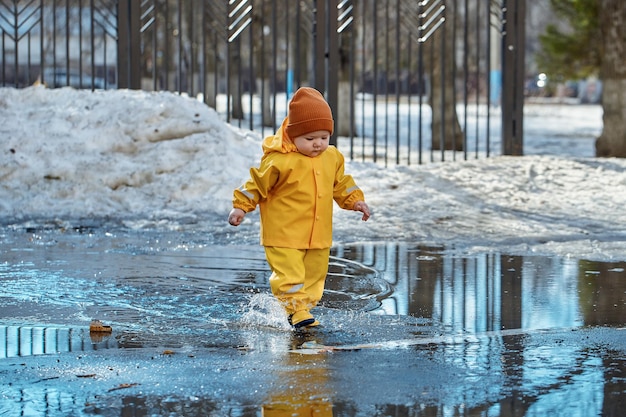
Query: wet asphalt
(195, 332)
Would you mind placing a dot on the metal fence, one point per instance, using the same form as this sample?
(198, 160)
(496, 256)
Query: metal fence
(409, 81)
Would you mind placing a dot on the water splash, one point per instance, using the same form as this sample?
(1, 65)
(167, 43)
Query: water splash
(265, 311)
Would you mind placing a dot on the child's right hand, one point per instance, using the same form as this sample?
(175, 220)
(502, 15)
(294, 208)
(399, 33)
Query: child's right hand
(236, 216)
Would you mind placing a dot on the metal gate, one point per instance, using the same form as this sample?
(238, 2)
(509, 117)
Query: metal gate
(409, 81)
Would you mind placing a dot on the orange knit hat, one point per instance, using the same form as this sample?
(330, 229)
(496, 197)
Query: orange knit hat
(308, 112)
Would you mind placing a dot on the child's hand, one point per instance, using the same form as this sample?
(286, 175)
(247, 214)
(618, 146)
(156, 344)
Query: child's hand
(236, 216)
(363, 208)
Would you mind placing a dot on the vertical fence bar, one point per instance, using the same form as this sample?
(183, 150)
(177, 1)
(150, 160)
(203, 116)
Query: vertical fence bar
(465, 76)
(165, 59)
(420, 77)
(228, 71)
(375, 81)
(332, 52)
(4, 60)
(431, 60)
(352, 46)
(42, 56)
(179, 46)
(15, 40)
(319, 44)
(192, 50)
(274, 30)
(442, 55)
(476, 77)
(288, 58)
(80, 42)
(29, 62)
(488, 81)
(298, 35)
(135, 44)
(67, 42)
(383, 87)
(263, 69)
(513, 77)
(123, 44)
(251, 83)
(155, 46)
(363, 79)
(397, 83)
(454, 73)
(409, 49)
(54, 38)
(93, 47)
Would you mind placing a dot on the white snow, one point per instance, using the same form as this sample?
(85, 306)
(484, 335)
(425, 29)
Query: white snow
(163, 160)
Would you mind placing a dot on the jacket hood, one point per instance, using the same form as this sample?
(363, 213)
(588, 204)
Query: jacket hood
(279, 142)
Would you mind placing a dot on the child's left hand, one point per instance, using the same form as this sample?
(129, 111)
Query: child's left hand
(363, 208)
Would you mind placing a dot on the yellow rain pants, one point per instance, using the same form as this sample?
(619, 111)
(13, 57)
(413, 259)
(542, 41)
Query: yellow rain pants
(298, 276)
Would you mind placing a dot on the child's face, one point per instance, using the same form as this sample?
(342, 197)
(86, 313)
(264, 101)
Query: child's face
(313, 144)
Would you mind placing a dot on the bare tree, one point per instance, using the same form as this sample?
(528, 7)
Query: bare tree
(446, 130)
(612, 17)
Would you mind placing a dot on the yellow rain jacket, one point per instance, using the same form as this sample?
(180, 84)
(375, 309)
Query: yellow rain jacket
(295, 194)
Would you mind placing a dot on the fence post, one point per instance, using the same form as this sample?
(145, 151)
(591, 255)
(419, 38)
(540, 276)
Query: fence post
(513, 46)
(128, 45)
(332, 93)
(326, 56)
(319, 44)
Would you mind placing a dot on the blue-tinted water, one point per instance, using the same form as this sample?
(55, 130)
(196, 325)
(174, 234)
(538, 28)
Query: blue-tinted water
(195, 331)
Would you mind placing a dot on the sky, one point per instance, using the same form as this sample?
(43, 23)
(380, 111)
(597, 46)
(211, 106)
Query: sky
(150, 160)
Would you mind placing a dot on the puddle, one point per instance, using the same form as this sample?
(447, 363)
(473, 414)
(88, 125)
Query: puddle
(492, 291)
(439, 333)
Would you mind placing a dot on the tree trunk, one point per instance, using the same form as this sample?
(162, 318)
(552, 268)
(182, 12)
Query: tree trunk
(343, 125)
(442, 100)
(269, 118)
(235, 76)
(343, 122)
(612, 141)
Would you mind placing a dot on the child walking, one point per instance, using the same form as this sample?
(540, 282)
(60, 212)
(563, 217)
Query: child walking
(295, 184)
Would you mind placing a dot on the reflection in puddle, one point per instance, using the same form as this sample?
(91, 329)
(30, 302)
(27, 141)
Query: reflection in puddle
(498, 335)
(491, 291)
(503, 301)
(27, 341)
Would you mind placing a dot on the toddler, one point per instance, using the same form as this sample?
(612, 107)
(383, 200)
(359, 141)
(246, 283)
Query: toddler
(298, 179)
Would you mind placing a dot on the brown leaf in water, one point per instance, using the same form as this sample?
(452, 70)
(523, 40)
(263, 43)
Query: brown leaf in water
(97, 326)
(124, 386)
